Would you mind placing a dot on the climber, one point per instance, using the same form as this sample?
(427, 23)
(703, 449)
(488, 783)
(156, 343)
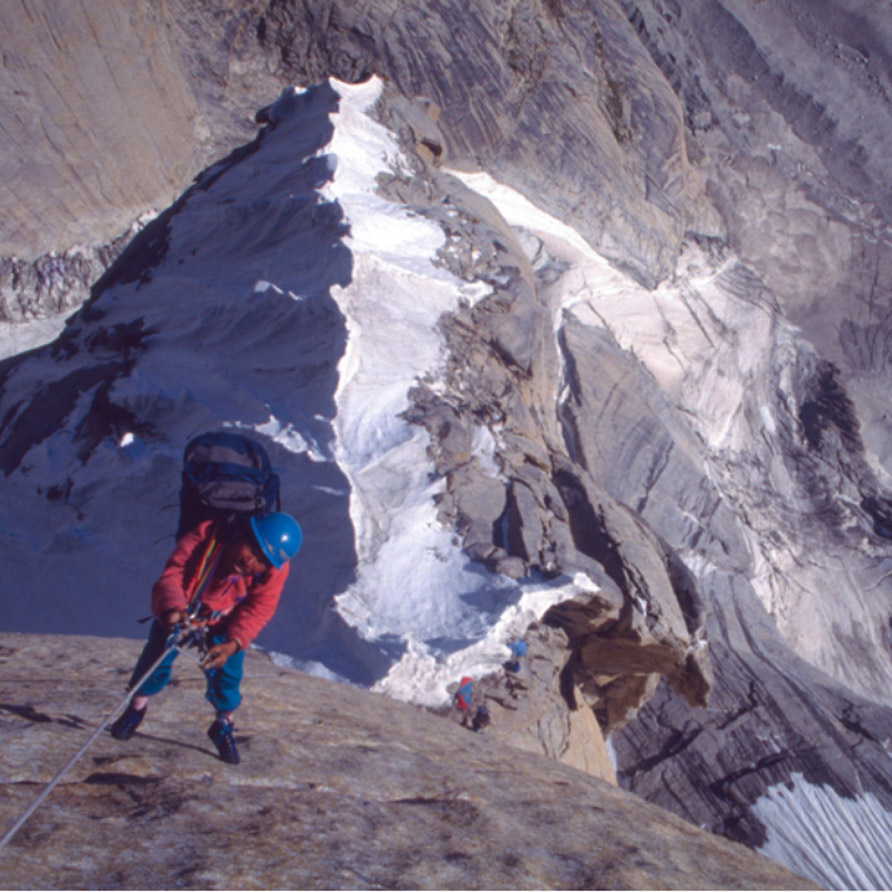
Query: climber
(481, 719)
(462, 697)
(518, 650)
(227, 578)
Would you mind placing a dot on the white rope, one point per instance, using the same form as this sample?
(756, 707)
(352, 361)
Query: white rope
(49, 787)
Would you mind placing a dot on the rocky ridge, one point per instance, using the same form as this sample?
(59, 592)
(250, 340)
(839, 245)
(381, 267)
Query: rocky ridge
(503, 372)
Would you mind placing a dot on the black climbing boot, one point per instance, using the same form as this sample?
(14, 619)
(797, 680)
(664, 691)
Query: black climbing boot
(221, 733)
(125, 726)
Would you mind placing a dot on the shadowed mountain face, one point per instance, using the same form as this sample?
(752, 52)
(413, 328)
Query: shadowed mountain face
(667, 374)
(221, 302)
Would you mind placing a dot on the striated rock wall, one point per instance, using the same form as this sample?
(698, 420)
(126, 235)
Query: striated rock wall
(787, 109)
(98, 122)
(110, 109)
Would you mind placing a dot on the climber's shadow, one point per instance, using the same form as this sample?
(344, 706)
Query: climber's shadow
(29, 713)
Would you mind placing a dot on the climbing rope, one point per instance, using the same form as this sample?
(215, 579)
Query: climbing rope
(190, 632)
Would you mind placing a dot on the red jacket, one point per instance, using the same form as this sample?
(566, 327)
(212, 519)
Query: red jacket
(251, 600)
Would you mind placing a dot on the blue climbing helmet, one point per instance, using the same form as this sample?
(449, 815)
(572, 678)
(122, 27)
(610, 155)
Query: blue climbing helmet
(278, 536)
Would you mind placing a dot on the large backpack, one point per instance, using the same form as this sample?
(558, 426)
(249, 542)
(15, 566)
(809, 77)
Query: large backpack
(225, 476)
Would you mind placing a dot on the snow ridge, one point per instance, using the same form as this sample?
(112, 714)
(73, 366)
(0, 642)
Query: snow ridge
(414, 584)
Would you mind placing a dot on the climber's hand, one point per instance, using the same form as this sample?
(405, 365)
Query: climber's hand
(219, 654)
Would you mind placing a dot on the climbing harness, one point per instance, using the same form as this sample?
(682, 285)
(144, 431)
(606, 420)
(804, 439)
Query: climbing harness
(191, 632)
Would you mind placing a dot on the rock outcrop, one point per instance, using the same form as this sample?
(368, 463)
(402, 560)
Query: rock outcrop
(338, 788)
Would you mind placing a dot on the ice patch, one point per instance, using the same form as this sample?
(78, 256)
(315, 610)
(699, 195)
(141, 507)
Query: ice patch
(768, 419)
(520, 211)
(329, 490)
(132, 446)
(389, 232)
(285, 435)
(413, 579)
(837, 842)
(473, 292)
(611, 754)
(484, 448)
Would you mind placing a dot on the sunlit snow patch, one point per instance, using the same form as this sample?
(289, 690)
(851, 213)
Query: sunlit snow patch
(261, 286)
(310, 667)
(17, 337)
(837, 842)
(484, 447)
(283, 434)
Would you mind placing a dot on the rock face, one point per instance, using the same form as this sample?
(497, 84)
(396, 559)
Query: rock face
(701, 426)
(338, 788)
(110, 110)
(198, 72)
(73, 78)
(548, 97)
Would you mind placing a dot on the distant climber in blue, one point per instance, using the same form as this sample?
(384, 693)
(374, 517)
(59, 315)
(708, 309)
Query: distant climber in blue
(230, 576)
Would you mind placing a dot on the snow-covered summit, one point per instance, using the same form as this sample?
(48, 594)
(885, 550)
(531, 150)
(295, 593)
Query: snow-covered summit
(280, 296)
